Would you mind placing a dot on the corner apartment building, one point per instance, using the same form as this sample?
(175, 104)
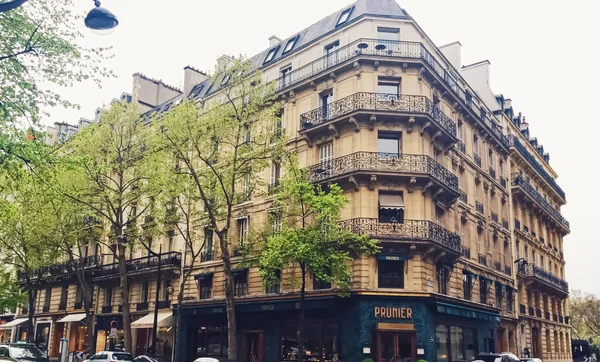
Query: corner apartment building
(436, 165)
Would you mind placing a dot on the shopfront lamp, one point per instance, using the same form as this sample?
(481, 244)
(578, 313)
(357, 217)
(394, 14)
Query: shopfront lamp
(101, 20)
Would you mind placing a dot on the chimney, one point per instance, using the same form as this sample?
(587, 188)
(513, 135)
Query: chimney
(452, 51)
(150, 93)
(547, 157)
(273, 40)
(524, 126)
(191, 77)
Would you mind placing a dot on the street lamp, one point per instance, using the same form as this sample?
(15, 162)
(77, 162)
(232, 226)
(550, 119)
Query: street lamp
(100, 20)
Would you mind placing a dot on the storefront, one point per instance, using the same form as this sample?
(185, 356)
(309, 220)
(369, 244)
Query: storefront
(73, 328)
(109, 333)
(401, 329)
(5, 333)
(14, 330)
(142, 330)
(43, 333)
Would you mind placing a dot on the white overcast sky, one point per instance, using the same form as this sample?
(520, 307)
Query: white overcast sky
(544, 56)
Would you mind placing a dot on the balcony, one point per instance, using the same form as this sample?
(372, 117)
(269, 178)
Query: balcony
(383, 106)
(482, 259)
(479, 207)
(368, 164)
(477, 159)
(163, 304)
(522, 150)
(59, 272)
(107, 309)
(149, 264)
(466, 252)
(406, 52)
(141, 306)
(413, 231)
(206, 256)
(521, 185)
(543, 279)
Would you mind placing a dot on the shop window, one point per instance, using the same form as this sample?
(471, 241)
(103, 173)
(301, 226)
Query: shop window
(442, 275)
(389, 145)
(441, 341)
(390, 274)
(321, 342)
(467, 286)
(205, 284)
(275, 288)
(455, 343)
(483, 290)
(211, 341)
(240, 283)
(391, 207)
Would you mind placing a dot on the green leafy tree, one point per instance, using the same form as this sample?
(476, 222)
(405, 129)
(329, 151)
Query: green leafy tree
(310, 239)
(223, 146)
(106, 170)
(585, 315)
(11, 296)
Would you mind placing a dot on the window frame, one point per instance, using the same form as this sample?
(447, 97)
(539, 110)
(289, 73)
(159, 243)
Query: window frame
(467, 286)
(243, 224)
(240, 283)
(205, 288)
(388, 30)
(270, 55)
(293, 42)
(442, 275)
(400, 264)
(396, 136)
(344, 16)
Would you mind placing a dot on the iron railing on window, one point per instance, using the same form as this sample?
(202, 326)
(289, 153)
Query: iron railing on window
(206, 256)
(530, 270)
(383, 162)
(170, 259)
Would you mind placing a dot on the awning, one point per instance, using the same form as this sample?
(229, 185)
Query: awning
(391, 201)
(459, 311)
(72, 318)
(392, 257)
(165, 319)
(13, 323)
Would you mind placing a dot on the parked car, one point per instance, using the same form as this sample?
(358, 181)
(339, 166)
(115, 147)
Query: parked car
(144, 358)
(497, 357)
(16, 352)
(531, 360)
(110, 356)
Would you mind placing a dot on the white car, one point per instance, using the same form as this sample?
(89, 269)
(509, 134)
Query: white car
(110, 356)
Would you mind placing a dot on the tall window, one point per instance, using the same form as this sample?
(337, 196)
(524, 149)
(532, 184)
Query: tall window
(509, 300)
(389, 144)
(475, 145)
(78, 298)
(47, 298)
(205, 283)
(242, 229)
(391, 207)
(491, 158)
(275, 288)
(170, 240)
(275, 218)
(467, 285)
(326, 100)
(240, 283)
(442, 275)
(325, 159)
(390, 274)
(439, 212)
(389, 89)
(208, 239)
(331, 53)
(460, 131)
(388, 33)
(275, 175)
(64, 293)
(483, 290)
(108, 296)
(246, 188)
(542, 264)
(144, 292)
(286, 75)
(320, 284)
(499, 291)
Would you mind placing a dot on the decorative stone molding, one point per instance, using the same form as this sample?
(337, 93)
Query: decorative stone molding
(307, 139)
(477, 177)
(334, 131)
(480, 225)
(411, 123)
(461, 165)
(354, 183)
(354, 122)
(372, 182)
(486, 186)
(404, 67)
(411, 184)
(372, 121)
(424, 127)
(376, 65)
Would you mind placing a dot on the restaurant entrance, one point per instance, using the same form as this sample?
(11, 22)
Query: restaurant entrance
(396, 346)
(254, 346)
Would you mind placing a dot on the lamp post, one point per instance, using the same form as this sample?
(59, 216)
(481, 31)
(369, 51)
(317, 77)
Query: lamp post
(100, 20)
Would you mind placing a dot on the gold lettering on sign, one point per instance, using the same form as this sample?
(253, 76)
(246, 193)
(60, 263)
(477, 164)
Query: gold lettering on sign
(390, 312)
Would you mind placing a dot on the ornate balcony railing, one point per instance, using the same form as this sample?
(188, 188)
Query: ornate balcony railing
(167, 260)
(396, 49)
(378, 102)
(60, 270)
(514, 142)
(206, 256)
(519, 181)
(383, 162)
(409, 230)
(466, 252)
(534, 271)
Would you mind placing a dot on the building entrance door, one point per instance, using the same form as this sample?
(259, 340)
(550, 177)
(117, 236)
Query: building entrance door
(141, 342)
(396, 346)
(254, 346)
(535, 337)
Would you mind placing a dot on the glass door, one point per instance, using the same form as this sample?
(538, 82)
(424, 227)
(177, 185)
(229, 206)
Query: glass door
(396, 347)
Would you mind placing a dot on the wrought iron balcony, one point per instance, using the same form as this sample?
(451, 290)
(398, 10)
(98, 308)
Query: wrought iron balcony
(520, 183)
(206, 256)
(170, 260)
(379, 103)
(542, 278)
(141, 306)
(466, 252)
(385, 163)
(410, 51)
(411, 230)
(61, 270)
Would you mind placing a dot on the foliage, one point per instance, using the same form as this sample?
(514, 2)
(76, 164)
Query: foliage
(40, 51)
(11, 296)
(223, 147)
(585, 315)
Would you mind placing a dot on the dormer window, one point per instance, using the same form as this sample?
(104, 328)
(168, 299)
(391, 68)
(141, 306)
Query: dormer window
(271, 55)
(225, 80)
(290, 44)
(344, 16)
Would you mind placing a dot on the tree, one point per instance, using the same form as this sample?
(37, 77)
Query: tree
(24, 220)
(223, 147)
(308, 237)
(11, 296)
(40, 51)
(108, 173)
(585, 315)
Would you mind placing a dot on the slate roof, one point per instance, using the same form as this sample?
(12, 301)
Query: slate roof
(307, 36)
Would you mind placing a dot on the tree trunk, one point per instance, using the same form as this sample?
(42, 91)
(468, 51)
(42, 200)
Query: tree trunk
(124, 297)
(89, 317)
(31, 294)
(229, 301)
(301, 317)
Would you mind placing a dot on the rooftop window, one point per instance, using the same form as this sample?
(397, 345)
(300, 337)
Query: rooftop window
(271, 54)
(290, 44)
(344, 16)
